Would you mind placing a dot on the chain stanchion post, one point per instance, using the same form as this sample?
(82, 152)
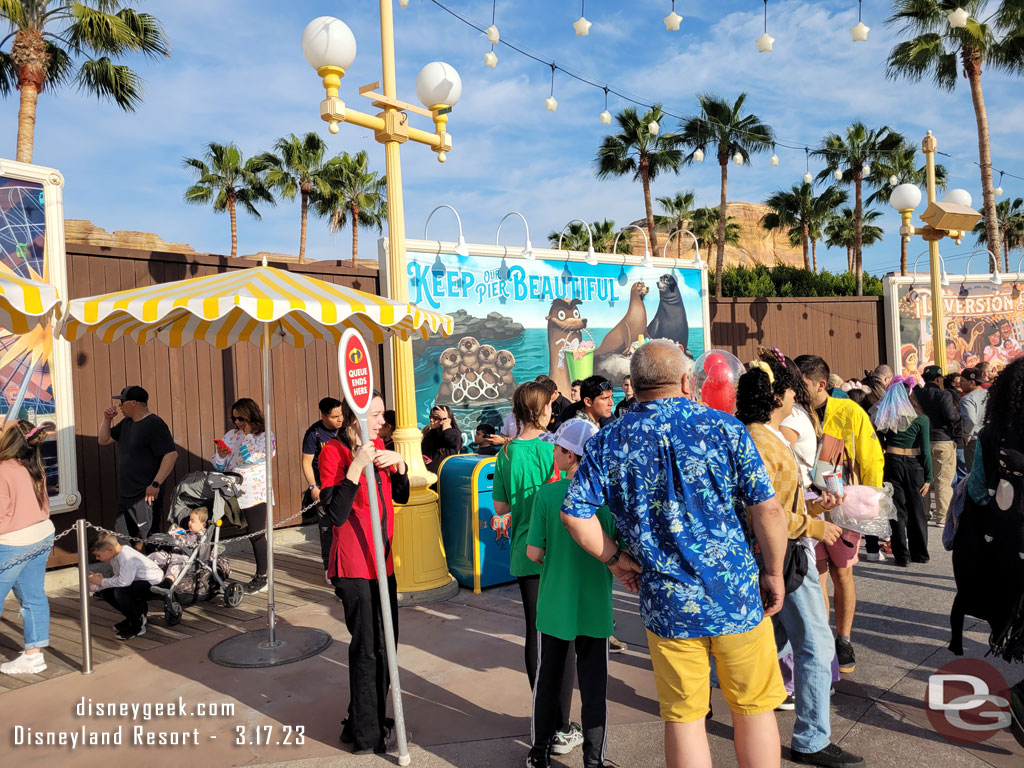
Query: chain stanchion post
(83, 589)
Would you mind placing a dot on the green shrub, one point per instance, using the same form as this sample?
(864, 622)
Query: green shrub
(792, 282)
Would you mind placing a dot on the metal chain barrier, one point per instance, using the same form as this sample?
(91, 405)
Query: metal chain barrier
(33, 553)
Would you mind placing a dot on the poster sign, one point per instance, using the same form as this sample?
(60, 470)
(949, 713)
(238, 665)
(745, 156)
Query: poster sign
(516, 319)
(984, 322)
(356, 374)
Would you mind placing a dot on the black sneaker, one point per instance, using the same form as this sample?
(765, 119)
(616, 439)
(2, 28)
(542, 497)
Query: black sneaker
(832, 756)
(130, 632)
(256, 584)
(788, 705)
(615, 645)
(538, 758)
(845, 656)
(1017, 708)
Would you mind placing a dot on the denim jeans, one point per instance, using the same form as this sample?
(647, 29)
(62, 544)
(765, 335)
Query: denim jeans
(27, 581)
(803, 627)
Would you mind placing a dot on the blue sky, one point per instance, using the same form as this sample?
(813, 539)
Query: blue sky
(237, 74)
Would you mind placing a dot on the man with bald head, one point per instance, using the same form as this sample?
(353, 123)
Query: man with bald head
(679, 479)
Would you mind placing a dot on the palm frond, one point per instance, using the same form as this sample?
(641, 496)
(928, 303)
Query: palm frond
(147, 33)
(60, 67)
(116, 82)
(8, 74)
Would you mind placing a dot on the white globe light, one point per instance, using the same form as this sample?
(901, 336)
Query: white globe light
(493, 36)
(958, 197)
(865, 169)
(738, 159)
(808, 178)
(491, 59)
(894, 180)
(906, 197)
(606, 118)
(998, 191)
(328, 42)
(698, 155)
(838, 175)
(550, 103)
(653, 127)
(774, 159)
(438, 83)
(958, 18)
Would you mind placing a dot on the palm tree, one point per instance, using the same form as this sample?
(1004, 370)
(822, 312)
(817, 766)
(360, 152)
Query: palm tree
(823, 208)
(229, 181)
(732, 133)
(299, 168)
(847, 155)
(704, 226)
(635, 150)
(1010, 214)
(990, 40)
(357, 195)
(576, 238)
(841, 232)
(903, 165)
(797, 210)
(56, 42)
(678, 214)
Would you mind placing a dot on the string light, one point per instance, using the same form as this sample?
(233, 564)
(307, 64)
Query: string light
(838, 174)
(765, 41)
(807, 160)
(673, 20)
(958, 18)
(865, 170)
(999, 189)
(774, 159)
(859, 33)
(494, 37)
(551, 103)
(738, 158)
(606, 116)
(698, 155)
(581, 25)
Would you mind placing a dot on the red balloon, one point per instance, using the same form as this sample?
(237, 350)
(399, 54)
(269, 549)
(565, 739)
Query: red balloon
(712, 360)
(719, 372)
(720, 395)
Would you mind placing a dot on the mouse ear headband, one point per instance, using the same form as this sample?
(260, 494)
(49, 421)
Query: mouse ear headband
(761, 365)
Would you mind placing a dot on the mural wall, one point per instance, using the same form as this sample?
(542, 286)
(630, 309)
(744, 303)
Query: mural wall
(516, 319)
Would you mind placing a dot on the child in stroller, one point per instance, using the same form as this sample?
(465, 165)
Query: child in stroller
(194, 569)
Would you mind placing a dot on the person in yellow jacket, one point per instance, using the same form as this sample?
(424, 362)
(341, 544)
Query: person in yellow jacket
(847, 421)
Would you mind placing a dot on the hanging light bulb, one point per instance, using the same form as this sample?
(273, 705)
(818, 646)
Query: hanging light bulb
(738, 158)
(859, 33)
(493, 36)
(808, 178)
(491, 58)
(566, 274)
(894, 180)
(438, 268)
(698, 155)
(807, 161)
(774, 159)
(606, 118)
(653, 127)
(999, 188)
(765, 41)
(673, 20)
(838, 174)
(958, 18)
(581, 25)
(551, 103)
(865, 170)
(503, 270)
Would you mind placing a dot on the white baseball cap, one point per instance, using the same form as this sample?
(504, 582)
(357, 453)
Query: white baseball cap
(573, 435)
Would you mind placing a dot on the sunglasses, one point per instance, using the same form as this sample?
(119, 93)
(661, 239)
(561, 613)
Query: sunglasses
(239, 420)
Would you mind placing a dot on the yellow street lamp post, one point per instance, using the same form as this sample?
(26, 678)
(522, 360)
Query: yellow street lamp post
(953, 217)
(330, 47)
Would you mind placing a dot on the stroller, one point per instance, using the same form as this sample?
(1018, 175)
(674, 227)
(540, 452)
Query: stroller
(203, 573)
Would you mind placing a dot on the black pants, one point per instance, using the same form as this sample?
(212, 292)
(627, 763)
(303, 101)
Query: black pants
(368, 678)
(592, 671)
(528, 587)
(910, 528)
(130, 600)
(134, 517)
(256, 520)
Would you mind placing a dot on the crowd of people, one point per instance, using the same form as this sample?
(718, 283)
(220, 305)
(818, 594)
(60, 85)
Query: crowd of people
(720, 523)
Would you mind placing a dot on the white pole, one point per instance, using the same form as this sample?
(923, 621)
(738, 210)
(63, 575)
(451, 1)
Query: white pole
(269, 453)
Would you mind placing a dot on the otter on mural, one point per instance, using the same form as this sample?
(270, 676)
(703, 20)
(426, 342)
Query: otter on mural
(472, 373)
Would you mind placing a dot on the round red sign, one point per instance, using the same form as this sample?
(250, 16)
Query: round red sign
(356, 374)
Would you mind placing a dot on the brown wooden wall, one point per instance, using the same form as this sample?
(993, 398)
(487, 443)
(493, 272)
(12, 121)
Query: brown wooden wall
(848, 332)
(191, 388)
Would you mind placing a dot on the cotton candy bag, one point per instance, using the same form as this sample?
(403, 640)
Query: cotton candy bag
(866, 509)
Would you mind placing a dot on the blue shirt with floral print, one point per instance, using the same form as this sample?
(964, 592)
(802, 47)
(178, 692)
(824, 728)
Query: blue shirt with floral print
(677, 477)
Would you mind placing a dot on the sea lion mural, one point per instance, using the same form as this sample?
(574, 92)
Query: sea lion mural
(564, 326)
(670, 320)
(633, 324)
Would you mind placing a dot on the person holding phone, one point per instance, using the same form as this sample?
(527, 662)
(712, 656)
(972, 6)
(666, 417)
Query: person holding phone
(243, 450)
(441, 438)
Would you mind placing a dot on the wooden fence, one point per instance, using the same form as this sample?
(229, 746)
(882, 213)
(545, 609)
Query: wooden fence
(191, 388)
(848, 332)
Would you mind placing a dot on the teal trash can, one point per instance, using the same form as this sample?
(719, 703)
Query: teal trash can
(476, 540)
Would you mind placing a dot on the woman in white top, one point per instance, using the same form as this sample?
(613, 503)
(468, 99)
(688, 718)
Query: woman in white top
(245, 452)
(26, 537)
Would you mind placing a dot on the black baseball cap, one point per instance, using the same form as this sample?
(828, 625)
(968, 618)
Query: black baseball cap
(134, 392)
(973, 374)
(931, 373)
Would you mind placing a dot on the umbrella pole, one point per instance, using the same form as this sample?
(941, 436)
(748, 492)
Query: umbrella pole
(269, 442)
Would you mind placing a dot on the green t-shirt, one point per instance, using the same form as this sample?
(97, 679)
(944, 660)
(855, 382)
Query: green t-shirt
(575, 596)
(519, 471)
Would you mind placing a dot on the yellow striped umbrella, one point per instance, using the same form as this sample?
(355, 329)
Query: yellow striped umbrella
(24, 303)
(262, 305)
(235, 306)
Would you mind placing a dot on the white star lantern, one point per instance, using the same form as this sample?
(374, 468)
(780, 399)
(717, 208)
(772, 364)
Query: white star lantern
(492, 35)
(550, 103)
(958, 18)
(859, 33)
(491, 59)
(672, 22)
(808, 178)
(765, 43)
(582, 26)
(774, 159)
(698, 155)
(998, 191)
(894, 180)
(606, 118)
(653, 127)
(738, 159)
(838, 175)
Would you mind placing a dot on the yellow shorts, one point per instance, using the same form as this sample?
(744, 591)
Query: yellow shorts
(747, 666)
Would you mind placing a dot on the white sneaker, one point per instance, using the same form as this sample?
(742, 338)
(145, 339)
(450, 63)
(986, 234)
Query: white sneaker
(566, 741)
(875, 557)
(25, 664)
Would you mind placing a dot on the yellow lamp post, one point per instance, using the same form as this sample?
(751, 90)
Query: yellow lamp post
(953, 217)
(330, 47)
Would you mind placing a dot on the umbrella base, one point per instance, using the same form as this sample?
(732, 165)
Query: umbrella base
(251, 650)
(428, 596)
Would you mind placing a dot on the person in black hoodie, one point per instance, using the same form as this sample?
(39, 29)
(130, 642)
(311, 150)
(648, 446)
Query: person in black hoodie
(441, 438)
(944, 414)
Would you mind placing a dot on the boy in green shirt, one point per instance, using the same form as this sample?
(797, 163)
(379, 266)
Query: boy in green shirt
(574, 607)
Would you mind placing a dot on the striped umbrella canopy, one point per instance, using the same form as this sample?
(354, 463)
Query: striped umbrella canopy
(24, 303)
(226, 308)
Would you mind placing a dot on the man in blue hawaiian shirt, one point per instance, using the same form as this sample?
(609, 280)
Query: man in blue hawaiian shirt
(687, 489)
